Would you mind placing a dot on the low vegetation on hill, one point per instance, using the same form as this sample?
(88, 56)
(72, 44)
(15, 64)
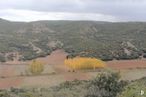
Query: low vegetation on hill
(102, 40)
(135, 89)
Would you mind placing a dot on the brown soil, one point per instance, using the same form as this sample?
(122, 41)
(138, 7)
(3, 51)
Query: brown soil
(127, 64)
(56, 58)
(10, 82)
(55, 63)
(76, 75)
(6, 71)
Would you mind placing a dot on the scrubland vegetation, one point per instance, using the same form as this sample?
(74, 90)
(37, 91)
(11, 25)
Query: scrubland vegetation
(135, 89)
(102, 40)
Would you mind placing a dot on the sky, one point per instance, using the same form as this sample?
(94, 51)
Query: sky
(98, 10)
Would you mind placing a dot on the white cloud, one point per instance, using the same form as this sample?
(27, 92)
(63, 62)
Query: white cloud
(27, 15)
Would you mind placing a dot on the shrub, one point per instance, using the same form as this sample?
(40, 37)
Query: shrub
(84, 63)
(144, 55)
(2, 58)
(106, 85)
(36, 67)
(4, 93)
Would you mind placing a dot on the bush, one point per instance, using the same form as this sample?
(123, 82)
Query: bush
(4, 93)
(2, 58)
(84, 63)
(105, 85)
(36, 67)
(144, 55)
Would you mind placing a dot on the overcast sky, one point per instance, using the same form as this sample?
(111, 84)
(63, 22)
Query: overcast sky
(99, 10)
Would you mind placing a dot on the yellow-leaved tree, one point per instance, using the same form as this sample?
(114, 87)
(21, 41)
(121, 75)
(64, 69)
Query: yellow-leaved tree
(36, 67)
(84, 63)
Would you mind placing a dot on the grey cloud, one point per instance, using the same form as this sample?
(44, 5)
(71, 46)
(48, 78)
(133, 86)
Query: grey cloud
(123, 9)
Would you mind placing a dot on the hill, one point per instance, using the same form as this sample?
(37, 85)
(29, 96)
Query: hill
(104, 40)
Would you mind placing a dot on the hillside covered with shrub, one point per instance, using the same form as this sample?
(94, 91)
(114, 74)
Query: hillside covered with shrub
(104, 40)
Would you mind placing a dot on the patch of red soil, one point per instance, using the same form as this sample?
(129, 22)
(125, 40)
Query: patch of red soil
(56, 58)
(60, 68)
(76, 75)
(7, 79)
(127, 64)
(6, 83)
(6, 71)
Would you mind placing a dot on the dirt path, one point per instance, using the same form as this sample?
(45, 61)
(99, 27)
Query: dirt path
(35, 48)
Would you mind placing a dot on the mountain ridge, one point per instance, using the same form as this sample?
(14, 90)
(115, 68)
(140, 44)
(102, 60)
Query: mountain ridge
(105, 40)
